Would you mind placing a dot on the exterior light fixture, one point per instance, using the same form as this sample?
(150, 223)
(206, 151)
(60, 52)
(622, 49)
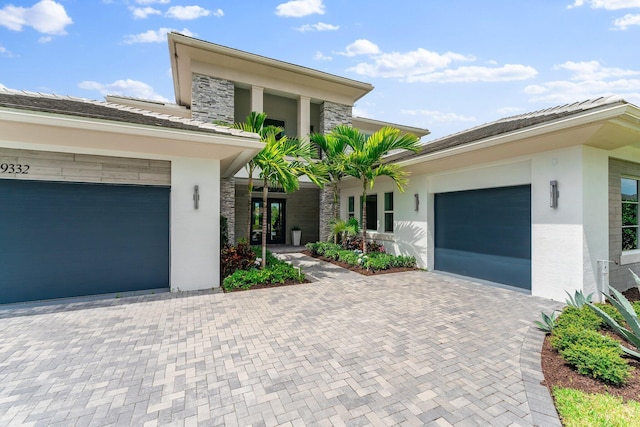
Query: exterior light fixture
(416, 200)
(196, 197)
(554, 194)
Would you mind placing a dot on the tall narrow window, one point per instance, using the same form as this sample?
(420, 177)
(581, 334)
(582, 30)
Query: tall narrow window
(372, 211)
(352, 207)
(629, 192)
(388, 212)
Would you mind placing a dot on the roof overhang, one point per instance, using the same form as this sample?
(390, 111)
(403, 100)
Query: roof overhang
(607, 128)
(189, 55)
(372, 125)
(45, 131)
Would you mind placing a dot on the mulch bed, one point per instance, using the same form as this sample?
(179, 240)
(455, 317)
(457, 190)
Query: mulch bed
(288, 282)
(359, 270)
(557, 373)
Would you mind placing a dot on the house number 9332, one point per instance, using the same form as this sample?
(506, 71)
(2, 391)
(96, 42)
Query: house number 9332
(14, 168)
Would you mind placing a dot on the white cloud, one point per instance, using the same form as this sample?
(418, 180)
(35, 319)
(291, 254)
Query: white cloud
(151, 36)
(319, 56)
(593, 70)
(588, 80)
(626, 21)
(186, 13)
(607, 4)
(508, 110)
(45, 39)
(299, 8)
(144, 12)
(320, 26)
(404, 65)
(46, 16)
(361, 47)
(506, 73)
(439, 116)
(145, 2)
(128, 87)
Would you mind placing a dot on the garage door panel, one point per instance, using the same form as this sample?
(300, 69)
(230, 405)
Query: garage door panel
(63, 239)
(485, 233)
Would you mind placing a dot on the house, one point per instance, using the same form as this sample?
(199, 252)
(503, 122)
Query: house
(103, 198)
(546, 201)
(125, 194)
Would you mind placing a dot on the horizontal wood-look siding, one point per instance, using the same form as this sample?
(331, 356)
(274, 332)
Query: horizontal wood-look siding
(50, 166)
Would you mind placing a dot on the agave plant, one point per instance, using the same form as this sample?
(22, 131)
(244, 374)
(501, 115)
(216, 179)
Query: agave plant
(631, 318)
(578, 300)
(548, 322)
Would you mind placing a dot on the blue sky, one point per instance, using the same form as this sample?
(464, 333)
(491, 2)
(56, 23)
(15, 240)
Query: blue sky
(444, 65)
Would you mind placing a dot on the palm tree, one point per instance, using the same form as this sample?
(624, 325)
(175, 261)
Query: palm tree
(365, 161)
(333, 151)
(281, 162)
(254, 123)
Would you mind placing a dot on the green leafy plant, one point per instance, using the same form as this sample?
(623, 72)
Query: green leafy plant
(239, 257)
(567, 337)
(625, 308)
(548, 322)
(224, 232)
(578, 299)
(602, 363)
(276, 272)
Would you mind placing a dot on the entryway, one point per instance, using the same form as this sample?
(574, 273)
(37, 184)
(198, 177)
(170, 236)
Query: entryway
(275, 221)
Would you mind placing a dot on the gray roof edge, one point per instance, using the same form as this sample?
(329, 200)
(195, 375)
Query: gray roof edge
(223, 130)
(566, 110)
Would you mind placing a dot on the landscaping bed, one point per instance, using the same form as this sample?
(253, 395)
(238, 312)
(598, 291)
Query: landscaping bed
(349, 256)
(559, 376)
(360, 270)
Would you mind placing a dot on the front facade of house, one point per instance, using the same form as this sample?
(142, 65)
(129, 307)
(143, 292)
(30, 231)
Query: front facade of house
(99, 198)
(480, 203)
(546, 202)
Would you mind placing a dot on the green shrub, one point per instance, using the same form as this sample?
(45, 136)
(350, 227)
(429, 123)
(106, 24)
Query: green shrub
(274, 274)
(604, 363)
(572, 335)
(582, 317)
(312, 247)
(611, 311)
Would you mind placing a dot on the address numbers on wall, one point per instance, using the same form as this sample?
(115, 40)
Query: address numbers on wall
(14, 168)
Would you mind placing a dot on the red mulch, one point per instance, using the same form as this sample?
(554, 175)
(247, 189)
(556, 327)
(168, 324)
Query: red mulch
(359, 270)
(557, 373)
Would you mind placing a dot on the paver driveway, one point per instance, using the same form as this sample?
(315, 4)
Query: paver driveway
(404, 349)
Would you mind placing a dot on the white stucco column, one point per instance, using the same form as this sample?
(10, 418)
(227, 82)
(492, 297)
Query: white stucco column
(257, 99)
(304, 116)
(195, 233)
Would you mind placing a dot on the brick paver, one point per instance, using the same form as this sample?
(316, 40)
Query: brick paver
(407, 349)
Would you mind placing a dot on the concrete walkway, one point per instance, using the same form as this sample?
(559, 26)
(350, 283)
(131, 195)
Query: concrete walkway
(408, 349)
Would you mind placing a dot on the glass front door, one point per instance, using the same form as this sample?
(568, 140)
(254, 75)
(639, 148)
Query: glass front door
(275, 221)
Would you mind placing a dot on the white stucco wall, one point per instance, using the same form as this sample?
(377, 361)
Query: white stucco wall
(195, 234)
(567, 242)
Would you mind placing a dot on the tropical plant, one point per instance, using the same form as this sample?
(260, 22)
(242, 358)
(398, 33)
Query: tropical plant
(630, 317)
(333, 157)
(280, 162)
(578, 299)
(340, 229)
(548, 323)
(365, 159)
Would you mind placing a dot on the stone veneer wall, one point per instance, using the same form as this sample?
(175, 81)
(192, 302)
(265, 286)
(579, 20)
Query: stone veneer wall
(331, 115)
(619, 276)
(212, 100)
(228, 205)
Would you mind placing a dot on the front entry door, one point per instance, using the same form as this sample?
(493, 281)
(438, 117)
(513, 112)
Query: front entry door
(275, 221)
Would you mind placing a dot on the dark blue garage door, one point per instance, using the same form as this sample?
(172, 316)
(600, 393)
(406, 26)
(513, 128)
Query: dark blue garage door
(485, 234)
(66, 239)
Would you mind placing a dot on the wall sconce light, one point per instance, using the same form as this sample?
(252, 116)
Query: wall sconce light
(196, 197)
(554, 193)
(416, 200)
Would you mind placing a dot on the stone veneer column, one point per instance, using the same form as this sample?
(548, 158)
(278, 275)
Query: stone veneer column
(331, 115)
(228, 205)
(212, 100)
